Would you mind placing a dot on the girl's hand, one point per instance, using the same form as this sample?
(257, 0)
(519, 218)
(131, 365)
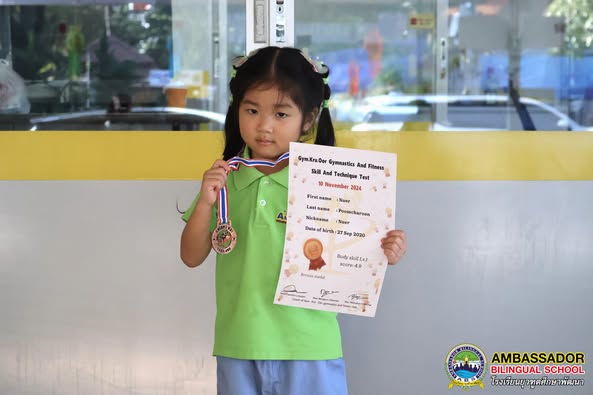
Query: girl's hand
(394, 245)
(213, 180)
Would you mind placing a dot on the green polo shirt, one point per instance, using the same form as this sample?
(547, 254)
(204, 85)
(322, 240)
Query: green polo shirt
(248, 323)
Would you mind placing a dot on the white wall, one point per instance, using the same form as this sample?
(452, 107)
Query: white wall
(94, 299)
(506, 266)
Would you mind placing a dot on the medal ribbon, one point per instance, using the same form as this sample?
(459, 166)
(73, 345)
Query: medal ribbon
(234, 163)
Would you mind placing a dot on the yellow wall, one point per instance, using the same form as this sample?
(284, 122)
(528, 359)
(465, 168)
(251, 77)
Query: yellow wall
(185, 155)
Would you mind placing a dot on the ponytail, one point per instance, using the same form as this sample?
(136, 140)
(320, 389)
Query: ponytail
(325, 127)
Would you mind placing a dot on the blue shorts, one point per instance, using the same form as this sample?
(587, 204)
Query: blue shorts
(247, 377)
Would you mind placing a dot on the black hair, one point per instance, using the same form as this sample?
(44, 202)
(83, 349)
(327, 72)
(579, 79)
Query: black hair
(294, 75)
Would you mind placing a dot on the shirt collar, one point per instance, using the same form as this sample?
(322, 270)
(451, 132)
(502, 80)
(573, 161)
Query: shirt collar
(251, 174)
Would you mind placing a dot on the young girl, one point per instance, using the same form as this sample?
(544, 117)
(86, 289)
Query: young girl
(278, 96)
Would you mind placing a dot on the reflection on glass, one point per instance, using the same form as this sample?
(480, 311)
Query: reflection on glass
(386, 52)
(76, 58)
(104, 65)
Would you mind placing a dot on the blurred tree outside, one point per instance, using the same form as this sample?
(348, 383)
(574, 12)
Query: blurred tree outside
(390, 79)
(49, 42)
(579, 24)
(39, 38)
(147, 31)
(30, 52)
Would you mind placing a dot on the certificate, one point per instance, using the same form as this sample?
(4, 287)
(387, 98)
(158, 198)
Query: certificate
(341, 202)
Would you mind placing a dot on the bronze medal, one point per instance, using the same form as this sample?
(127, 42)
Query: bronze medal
(223, 238)
(312, 249)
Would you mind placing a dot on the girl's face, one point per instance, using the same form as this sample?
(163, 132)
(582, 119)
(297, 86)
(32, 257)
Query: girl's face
(269, 121)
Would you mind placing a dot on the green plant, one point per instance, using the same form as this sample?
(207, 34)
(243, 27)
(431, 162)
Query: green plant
(75, 40)
(390, 79)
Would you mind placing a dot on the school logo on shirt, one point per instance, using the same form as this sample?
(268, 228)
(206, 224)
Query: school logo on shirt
(466, 366)
(281, 217)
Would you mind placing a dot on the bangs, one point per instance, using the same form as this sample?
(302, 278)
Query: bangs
(286, 88)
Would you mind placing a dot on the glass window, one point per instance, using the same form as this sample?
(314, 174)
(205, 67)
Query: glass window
(537, 50)
(115, 57)
(373, 50)
(114, 65)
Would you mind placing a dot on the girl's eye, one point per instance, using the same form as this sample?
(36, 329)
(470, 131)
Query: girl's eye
(251, 111)
(281, 115)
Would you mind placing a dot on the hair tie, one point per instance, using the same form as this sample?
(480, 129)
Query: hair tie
(325, 104)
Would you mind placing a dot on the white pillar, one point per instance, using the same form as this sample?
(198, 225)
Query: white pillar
(269, 22)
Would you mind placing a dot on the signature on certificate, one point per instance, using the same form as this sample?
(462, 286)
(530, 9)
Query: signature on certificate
(325, 292)
(291, 289)
(359, 296)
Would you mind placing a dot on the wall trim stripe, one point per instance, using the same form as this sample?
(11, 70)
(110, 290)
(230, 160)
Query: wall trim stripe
(186, 155)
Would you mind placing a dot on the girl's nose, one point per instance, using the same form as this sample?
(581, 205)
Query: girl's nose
(265, 123)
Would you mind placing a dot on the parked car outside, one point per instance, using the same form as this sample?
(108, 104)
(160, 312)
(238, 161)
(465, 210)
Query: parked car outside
(137, 118)
(463, 113)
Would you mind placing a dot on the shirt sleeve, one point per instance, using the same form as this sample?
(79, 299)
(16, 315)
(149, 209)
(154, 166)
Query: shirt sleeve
(185, 216)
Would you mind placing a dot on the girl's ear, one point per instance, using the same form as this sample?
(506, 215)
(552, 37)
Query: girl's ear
(310, 119)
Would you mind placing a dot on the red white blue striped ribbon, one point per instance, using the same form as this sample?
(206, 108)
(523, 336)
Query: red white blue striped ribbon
(234, 163)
